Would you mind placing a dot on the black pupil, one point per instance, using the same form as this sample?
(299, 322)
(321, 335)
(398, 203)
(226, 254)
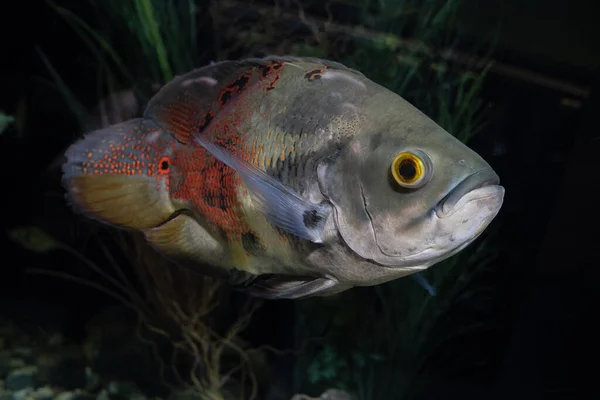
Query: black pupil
(407, 170)
(164, 165)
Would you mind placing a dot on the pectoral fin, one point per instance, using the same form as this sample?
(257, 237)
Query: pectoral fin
(292, 287)
(187, 243)
(284, 207)
(184, 241)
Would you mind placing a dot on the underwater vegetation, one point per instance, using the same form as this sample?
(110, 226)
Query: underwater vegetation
(384, 342)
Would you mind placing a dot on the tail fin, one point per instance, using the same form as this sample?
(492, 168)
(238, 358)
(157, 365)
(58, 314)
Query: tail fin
(119, 175)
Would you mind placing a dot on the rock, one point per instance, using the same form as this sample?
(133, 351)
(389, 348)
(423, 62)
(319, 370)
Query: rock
(65, 396)
(25, 353)
(103, 395)
(77, 394)
(329, 394)
(92, 379)
(43, 393)
(65, 368)
(8, 363)
(114, 350)
(22, 394)
(22, 378)
(15, 363)
(335, 394)
(8, 331)
(6, 394)
(47, 364)
(56, 340)
(82, 395)
(4, 360)
(126, 390)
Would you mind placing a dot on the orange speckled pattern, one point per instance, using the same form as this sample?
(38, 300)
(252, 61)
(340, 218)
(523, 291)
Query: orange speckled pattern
(125, 150)
(206, 184)
(159, 149)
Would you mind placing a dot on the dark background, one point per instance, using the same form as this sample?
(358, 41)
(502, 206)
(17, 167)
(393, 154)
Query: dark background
(545, 120)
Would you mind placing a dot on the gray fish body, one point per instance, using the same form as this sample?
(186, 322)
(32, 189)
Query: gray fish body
(342, 127)
(341, 182)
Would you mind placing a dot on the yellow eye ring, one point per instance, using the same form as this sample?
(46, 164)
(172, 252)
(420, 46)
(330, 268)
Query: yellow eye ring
(409, 170)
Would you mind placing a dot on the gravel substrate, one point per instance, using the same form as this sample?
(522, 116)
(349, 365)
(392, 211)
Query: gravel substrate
(47, 367)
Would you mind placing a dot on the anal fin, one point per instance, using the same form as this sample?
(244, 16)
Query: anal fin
(292, 287)
(187, 243)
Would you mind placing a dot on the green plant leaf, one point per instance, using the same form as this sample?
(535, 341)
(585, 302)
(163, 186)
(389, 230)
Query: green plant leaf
(5, 121)
(34, 239)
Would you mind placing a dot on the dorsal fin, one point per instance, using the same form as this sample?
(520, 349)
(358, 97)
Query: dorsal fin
(187, 104)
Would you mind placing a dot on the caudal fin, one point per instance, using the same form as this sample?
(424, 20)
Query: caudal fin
(119, 175)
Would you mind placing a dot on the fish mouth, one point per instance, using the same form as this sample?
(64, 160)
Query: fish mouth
(479, 185)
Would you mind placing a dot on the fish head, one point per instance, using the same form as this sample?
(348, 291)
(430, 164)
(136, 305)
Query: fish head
(405, 192)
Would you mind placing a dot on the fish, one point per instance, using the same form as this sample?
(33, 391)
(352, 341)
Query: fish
(287, 177)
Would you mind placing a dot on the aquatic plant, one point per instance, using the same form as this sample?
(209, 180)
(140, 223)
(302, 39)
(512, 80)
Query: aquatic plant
(180, 313)
(397, 328)
(384, 342)
(5, 121)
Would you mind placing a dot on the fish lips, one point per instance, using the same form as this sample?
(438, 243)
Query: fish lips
(482, 184)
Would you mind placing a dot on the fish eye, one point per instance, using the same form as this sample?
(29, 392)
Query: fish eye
(411, 169)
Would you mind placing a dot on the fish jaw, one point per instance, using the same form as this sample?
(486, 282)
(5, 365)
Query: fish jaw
(457, 220)
(484, 181)
(461, 224)
(412, 230)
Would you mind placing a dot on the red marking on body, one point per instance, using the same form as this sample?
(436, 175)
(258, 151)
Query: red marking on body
(184, 168)
(209, 185)
(234, 88)
(180, 116)
(205, 121)
(270, 74)
(314, 74)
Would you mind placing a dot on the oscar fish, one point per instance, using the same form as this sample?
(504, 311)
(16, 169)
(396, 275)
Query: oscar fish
(288, 177)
